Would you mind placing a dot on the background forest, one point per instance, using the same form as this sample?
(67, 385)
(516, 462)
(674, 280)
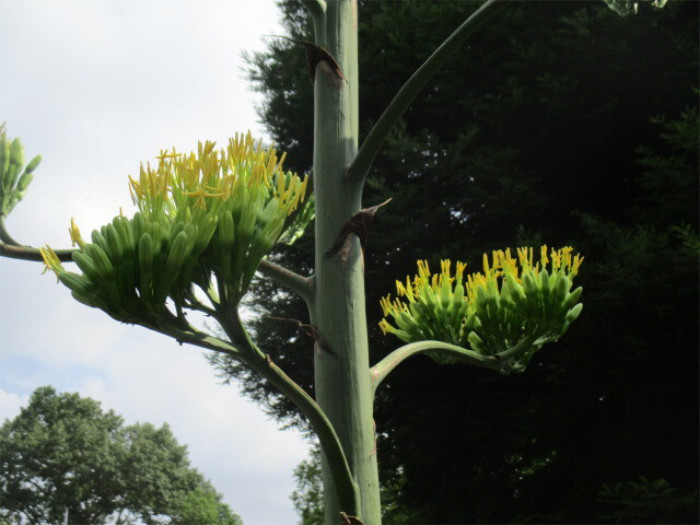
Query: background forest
(560, 122)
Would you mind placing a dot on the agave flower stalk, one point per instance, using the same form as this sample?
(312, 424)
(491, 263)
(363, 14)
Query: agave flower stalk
(206, 219)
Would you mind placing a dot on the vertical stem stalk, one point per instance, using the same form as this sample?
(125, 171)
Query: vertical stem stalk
(343, 386)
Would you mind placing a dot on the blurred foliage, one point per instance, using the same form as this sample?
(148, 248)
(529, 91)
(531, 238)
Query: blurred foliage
(647, 501)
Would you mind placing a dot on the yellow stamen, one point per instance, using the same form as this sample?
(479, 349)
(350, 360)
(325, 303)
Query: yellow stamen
(51, 261)
(75, 237)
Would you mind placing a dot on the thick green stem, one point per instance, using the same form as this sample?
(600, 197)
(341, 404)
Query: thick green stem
(343, 387)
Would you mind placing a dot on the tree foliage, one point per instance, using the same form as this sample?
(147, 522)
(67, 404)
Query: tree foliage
(63, 455)
(308, 496)
(561, 121)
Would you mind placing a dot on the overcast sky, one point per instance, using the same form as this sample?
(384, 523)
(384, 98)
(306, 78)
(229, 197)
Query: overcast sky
(95, 87)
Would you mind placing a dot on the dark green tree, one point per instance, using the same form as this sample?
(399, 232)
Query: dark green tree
(203, 506)
(579, 124)
(308, 496)
(62, 456)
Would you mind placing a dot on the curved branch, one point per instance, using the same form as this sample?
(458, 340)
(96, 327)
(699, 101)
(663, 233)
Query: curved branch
(382, 369)
(243, 349)
(317, 9)
(5, 235)
(9, 247)
(347, 489)
(501, 362)
(508, 356)
(408, 92)
(295, 282)
(246, 351)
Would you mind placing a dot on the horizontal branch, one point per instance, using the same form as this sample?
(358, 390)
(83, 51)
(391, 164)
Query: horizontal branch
(28, 253)
(382, 369)
(408, 92)
(293, 281)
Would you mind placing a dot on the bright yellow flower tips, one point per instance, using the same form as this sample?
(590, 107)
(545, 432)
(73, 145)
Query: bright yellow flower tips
(51, 261)
(205, 218)
(75, 237)
(211, 177)
(516, 302)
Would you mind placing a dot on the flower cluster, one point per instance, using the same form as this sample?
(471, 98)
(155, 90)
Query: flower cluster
(204, 219)
(212, 180)
(15, 176)
(513, 300)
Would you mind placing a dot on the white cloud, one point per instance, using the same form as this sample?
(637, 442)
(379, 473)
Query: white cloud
(96, 88)
(10, 404)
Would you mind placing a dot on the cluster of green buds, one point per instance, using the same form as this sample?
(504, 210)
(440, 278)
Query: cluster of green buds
(205, 219)
(514, 303)
(14, 180)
